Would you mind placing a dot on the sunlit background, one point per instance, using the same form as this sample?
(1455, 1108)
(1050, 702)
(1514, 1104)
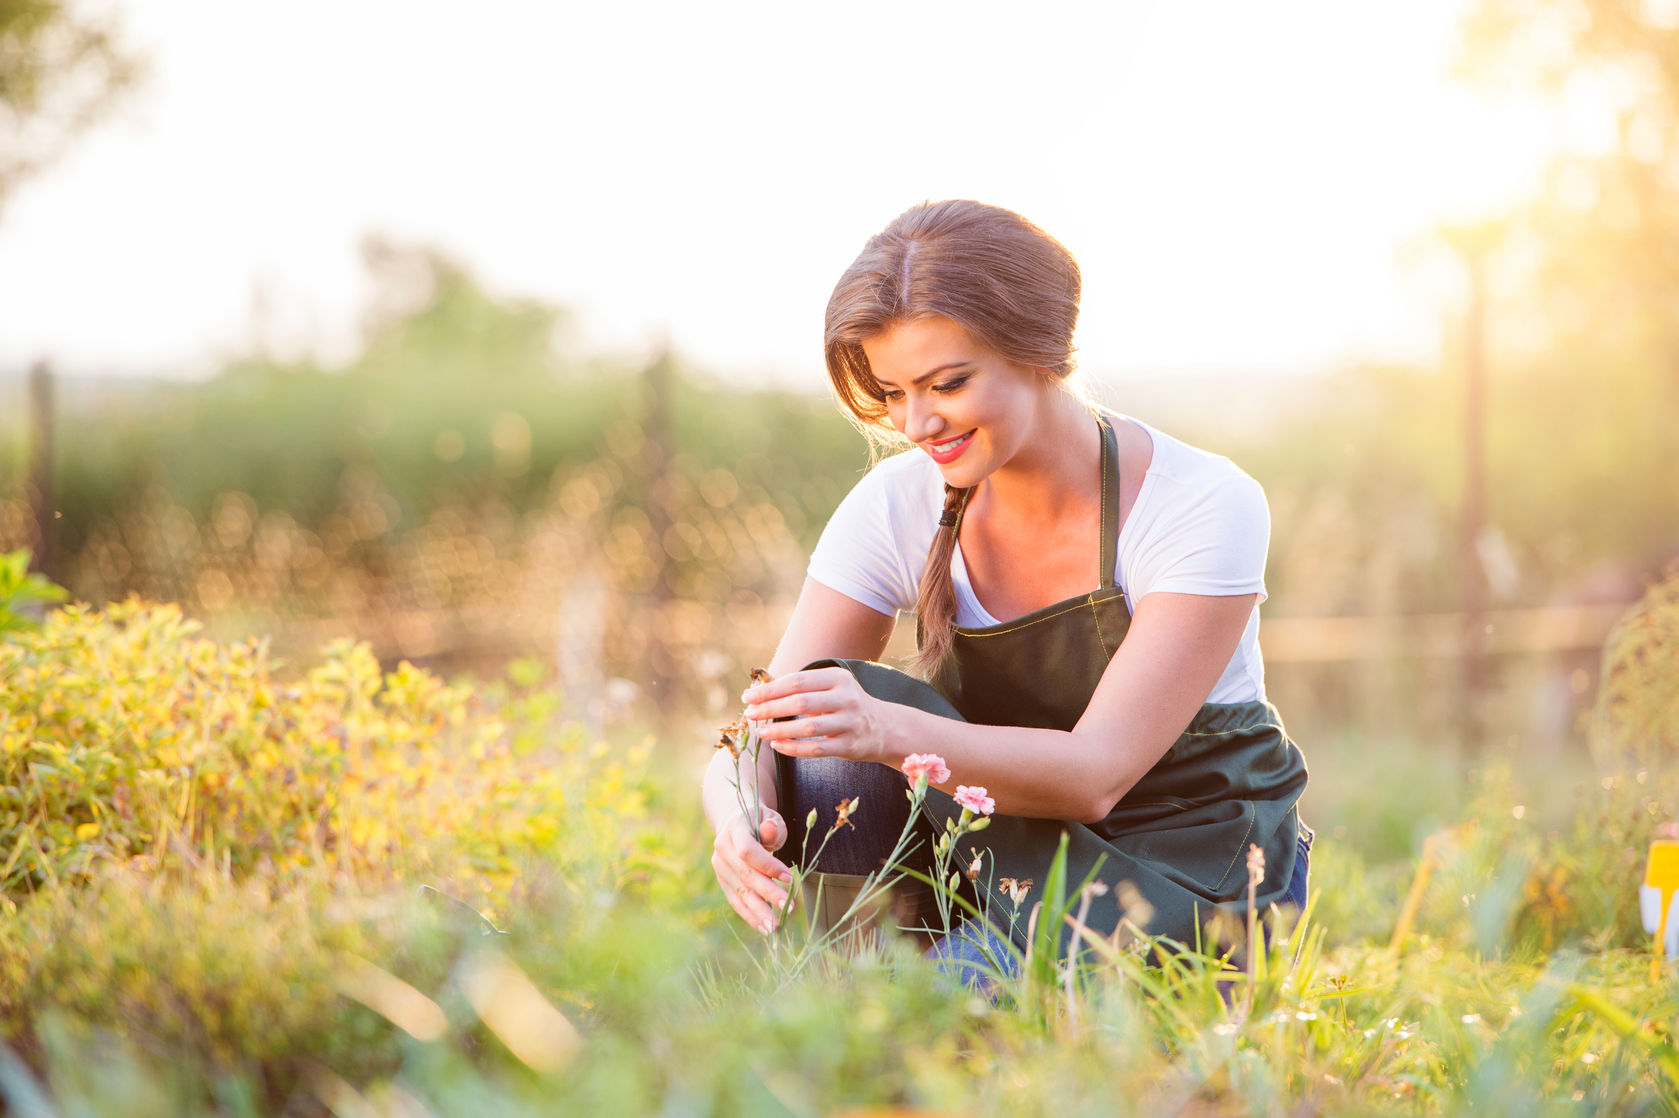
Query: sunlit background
(1240, 182)
(496, 333)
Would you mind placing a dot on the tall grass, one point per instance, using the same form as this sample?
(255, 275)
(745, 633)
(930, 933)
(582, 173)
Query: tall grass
(532, 930)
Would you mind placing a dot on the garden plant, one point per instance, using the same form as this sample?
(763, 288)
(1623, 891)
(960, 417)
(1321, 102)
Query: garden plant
(232, 886)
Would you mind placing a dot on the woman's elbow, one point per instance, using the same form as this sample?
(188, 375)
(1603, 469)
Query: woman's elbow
(1104, 785)
(1096, 809)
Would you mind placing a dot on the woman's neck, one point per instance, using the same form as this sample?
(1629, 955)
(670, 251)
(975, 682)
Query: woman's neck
(1059, 468)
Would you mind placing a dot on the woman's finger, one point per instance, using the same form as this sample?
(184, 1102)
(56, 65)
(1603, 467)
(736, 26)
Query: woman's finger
(739, 847)
(808, 747)
(772, 833)
(809, 726)
(771, 892)
(750, 907)
(759, 900)
(794, 683)
(754, 857)
(801, 705)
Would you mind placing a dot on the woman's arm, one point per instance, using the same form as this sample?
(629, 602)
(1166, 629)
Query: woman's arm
(825, 623)
(1177, 647)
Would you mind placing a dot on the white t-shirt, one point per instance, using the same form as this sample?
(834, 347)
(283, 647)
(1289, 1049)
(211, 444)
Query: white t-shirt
(1199, 526)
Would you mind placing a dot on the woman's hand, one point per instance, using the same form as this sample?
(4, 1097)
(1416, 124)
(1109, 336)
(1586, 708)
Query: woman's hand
(752, 878)
(826, 713)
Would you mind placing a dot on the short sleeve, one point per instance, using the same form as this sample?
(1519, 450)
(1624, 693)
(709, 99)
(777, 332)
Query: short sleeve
(866, 549)
(1215, 542)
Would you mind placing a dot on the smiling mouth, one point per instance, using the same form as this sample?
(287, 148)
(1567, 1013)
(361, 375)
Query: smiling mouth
(948, 450)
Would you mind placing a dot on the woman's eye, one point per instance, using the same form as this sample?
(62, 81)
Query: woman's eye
(950, 385)
(892, 395)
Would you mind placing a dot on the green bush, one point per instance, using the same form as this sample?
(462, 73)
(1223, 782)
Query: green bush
(241, 932)
(21, 591)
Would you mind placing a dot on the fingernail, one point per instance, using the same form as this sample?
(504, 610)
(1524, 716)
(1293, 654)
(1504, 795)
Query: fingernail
(750, 695)
(785, 876)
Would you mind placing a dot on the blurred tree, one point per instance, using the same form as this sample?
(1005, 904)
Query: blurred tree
(60, 69)
(1591, 361)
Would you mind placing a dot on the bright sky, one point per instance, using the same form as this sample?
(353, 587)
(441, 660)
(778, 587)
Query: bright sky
(1240, 181)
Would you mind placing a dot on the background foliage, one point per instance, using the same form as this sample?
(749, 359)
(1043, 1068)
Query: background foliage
(390, 895)
(61, 68)
(246, 876)
(473, 487)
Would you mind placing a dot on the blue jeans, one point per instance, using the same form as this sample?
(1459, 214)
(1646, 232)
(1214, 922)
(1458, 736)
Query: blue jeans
(965, 957)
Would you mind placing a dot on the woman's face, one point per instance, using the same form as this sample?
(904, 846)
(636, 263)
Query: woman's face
(960, 402)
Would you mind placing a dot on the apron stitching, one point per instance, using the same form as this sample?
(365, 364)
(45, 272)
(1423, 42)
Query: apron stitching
(1017, 628)
(1233, 730)
(1094, 597)
(1102, 554)
(1096, 617)
(1238, 854)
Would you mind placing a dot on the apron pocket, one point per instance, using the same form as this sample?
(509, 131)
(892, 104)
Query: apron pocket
(1200, 846)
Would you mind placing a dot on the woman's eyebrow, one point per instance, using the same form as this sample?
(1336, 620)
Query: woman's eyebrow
(931, 373)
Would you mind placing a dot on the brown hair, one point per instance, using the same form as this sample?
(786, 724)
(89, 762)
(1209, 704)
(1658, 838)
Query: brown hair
(1010, 285)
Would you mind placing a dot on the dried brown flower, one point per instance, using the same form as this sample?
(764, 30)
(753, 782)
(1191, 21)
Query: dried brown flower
(729, 737)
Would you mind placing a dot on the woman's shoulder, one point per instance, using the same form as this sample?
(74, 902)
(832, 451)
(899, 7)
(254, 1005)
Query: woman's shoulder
(875, 543)
(895, 499)
(1177, 461)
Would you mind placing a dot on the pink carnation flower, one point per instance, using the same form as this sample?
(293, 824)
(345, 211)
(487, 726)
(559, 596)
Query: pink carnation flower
(975, 800)
(929, 765)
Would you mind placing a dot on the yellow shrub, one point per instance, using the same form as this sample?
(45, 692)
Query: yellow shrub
(211, 849)
(204, 969)
(124, 737)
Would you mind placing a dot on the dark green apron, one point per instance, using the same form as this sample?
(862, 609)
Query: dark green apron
(1180, 835)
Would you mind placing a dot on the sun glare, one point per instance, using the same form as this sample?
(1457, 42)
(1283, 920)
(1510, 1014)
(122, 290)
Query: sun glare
(1238, 181)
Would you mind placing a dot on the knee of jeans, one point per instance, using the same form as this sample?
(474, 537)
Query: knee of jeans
(973, 959)
(819, 785)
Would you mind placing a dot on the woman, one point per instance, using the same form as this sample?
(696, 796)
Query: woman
(1087, 590)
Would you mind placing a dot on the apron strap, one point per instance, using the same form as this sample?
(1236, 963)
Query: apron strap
(1110, 503)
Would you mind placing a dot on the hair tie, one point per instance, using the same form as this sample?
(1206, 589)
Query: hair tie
(947, 518)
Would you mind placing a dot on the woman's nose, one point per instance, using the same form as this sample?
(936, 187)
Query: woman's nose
(921, 419)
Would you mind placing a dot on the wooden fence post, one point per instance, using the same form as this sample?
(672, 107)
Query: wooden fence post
(1471, 568)
(657, 449)
(39, 488)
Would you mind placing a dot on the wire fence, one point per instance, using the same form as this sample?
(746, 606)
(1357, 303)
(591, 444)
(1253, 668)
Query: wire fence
(650, 581)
